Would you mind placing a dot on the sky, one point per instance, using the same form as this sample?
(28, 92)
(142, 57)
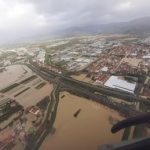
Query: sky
(22, 19)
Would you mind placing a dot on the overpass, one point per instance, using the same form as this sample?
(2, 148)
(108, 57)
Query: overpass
(89, 91)
(50, 76)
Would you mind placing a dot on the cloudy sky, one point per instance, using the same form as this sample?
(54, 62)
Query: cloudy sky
(29, 18)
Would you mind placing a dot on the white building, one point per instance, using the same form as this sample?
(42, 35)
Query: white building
(104, 69)
(41, 56)
(118, 83)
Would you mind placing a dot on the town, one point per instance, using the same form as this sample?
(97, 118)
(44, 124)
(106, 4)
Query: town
(112, 70)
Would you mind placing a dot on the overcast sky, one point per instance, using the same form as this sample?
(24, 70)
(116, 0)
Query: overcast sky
(27, 18)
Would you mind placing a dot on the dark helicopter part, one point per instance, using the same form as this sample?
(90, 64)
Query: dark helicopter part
(140, 119)
(138, 144)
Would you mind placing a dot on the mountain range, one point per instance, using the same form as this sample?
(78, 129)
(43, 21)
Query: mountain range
(139, 26)
(136, 26)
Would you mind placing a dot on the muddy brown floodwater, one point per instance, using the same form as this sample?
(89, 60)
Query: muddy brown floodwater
(86, 131)
(13, 74)
(82, 77)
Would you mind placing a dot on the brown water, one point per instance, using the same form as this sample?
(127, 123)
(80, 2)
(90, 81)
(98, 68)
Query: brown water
(85, 132)
(32, 96)
(13, 74)
(82, 77)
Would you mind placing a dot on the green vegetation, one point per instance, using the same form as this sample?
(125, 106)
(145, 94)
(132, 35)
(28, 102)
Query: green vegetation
(126, 134)
(61, 64)
(40, 85)
(43, 104)
(36, 139)
(25, 81)
(3, 56)
(9, 88)
(22, 91)
(64, 46)
(48, 59)
(138, 131)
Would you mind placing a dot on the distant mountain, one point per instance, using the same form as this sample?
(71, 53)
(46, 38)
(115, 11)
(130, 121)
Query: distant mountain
(136, 26)
(139, 26)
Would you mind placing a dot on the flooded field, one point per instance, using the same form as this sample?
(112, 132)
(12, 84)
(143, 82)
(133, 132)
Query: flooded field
(13, 74)
(89, 129)
(28, 87)
(82, 77)
(23, 90)
(32, 96)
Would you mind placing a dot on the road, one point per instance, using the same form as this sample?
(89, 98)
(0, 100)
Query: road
(86, 90)
(89, 91)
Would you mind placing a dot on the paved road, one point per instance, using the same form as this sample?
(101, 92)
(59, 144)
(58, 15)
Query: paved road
(88, 91)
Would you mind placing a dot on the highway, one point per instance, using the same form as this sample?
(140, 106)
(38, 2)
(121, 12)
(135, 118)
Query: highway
(89, 91)
(82, 89)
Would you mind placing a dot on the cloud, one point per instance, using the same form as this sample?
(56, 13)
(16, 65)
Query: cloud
(26, 18)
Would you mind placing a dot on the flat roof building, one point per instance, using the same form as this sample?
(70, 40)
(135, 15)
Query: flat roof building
(118, 83)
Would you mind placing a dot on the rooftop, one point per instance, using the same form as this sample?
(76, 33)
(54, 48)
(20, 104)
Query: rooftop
(119, 83)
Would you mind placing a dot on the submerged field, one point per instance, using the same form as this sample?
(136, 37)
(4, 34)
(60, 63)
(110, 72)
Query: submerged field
(89, 129)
